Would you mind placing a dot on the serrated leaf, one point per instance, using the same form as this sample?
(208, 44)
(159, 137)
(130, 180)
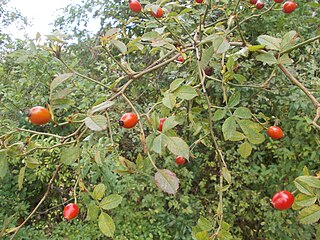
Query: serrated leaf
(92, 211)
(203, 235)
(96, 122)
(186, 92)
(270, 42)
(240, 78)
(252, 131)
(112, 32)
(175, 84)
(21, 177)
(69, 155)
(106, 224)
(310, 214)
(60, 79)
(245, 149)
(61, 94)
(150, 138)
(167, 181)
(267, 58)
(230, 63)
(102, 106)
(169, 123)
(98, 191)
(289, 40)
(110, 202)
(97, 158)
(234, 100)
(220, 44)
(159, 143)
(243, 112)
(120, 45)
(150, 36)
(229, 127)
(178, 147)
(303, 187)
(303, 200)
(219, 114)
(169, 100)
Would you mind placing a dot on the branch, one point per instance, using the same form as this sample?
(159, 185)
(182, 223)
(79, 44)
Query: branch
(41, 201)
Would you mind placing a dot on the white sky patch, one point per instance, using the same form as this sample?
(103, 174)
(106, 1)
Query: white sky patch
(40, 14)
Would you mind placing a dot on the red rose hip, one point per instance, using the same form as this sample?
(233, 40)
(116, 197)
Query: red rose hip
(162, 120)
(289, 7)
(70, 211)
(135, 6)
(128, 120)
(180, 160)
(282, 200)
(275, 132)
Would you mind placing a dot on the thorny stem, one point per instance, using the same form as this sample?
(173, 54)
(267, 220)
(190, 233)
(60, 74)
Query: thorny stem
(301, 44)
(110, 128)
(41, 201)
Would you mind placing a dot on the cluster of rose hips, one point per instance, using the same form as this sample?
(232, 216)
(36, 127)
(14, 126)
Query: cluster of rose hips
(136, 7)
(287, 7)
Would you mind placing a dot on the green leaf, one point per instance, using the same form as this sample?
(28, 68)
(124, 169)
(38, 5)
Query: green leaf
(226, 175)
(178, 147)
(303, 200)
(204, 224)
(32, 163)
(309, 180)
(229, 127)
(230, 63)
(110, 202)
(112, 32)
(310, 214)
(240, 78)
(106, 224)
(150, 138)
(169, 123)
(150, 35)
(243, 112)
(234, 100)
(220, 44)
(245, 149)
(236, 136)
(255, 48)
(60, 79)
(97, 158)
(289, 40)
(92, 211)
(303, 187)
(175, 84)
(120, 45)
(102, 106)
(167, 181)
(267, 58)
(169, 100)
(159, 143)
(202, 235)
(219, 114)
(69, 155)
(96, 122)
(252, 131)
(186, 92)
(206, 56)
(285, 59)
(98, 191)
(270, 42)
(21, 177)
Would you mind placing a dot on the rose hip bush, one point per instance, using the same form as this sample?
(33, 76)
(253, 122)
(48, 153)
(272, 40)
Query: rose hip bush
(201, 82)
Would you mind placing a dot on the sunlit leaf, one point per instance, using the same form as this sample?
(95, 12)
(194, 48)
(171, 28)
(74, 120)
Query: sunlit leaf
(167, 181)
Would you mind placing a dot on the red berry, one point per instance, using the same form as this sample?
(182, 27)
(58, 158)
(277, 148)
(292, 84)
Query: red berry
(278, 1)
(282, 200)
(39, 115)
(180, 160)
(275, 132)
(128, 120)
(253, 2)
(162, 120)
(180, 59)
(158, 14)
(259, 5)
(70, 211)
(289, 7)
(199, 1)
(135, 6)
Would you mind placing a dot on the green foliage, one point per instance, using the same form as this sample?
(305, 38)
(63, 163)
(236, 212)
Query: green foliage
(125, 181)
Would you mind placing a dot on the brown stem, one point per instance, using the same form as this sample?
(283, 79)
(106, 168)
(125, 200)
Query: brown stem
(41, 201)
